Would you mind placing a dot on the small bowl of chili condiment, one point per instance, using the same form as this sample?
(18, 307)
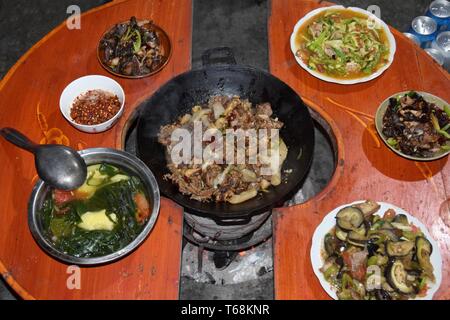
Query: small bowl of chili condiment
(92, 103)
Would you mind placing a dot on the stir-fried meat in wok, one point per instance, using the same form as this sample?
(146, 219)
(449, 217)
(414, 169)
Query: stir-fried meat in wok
(415, 126)
(132, 48)
(218, 180)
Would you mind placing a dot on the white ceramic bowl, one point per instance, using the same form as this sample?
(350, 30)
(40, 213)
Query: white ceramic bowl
(329, 221)
(322, 76)
(82, 85)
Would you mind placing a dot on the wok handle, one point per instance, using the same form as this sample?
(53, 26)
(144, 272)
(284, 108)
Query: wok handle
(219, 55)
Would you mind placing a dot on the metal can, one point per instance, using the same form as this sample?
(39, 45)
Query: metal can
(439, 11)
(436, 55)
(425, 29)
(412, 37)
(442, 44)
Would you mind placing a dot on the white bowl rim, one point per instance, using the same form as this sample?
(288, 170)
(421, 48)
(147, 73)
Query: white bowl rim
(328, 222)
(93, 126)
(390, 36)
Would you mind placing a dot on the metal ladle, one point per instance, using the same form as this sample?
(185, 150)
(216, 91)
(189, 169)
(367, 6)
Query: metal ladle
(58, 165)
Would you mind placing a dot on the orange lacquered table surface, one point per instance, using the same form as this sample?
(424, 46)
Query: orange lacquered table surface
(366, 168)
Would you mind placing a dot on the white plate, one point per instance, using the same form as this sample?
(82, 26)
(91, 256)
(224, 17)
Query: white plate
(330, 221)
(390, 37)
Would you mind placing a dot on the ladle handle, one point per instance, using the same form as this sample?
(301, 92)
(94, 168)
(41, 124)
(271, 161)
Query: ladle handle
(17, 138)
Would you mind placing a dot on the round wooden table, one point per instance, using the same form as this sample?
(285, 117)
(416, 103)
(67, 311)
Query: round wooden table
(30, 102)
(366, 168)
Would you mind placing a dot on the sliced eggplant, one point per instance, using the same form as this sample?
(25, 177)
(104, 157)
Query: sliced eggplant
(399, 249)
(372, 247)
(423, 253)
(387, 225)
(357, 239)
(362, 230)
(368, 207)
(382, 295)
(401, 226)
(373, 281)
(341, 234)
(330, 244)
(401, 218)
(388, 234)
(349, 218)
(422, 243)
(396, 275)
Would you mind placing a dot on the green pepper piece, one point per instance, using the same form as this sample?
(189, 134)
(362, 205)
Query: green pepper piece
(373, 260)
(331, 271)
(447, 110)
(137, 44)
(126, 36)
(422, 283)
(436, 126)
(444, 133)
(446, 127)
(392, 142)
(345, 295)
(435, 122)
(347, 281)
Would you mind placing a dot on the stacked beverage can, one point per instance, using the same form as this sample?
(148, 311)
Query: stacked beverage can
(412, 37)
(439, 11)
(436, 55)
(425, 29)
(442, 44)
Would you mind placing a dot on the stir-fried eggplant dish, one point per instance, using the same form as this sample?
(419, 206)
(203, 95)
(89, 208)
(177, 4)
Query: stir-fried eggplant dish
(132, 48)
(102, 216)
(216, 179)
(342, 44)
(416, 127)
(372, 257)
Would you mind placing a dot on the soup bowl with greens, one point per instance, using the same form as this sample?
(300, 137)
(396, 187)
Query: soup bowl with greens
(105, 219)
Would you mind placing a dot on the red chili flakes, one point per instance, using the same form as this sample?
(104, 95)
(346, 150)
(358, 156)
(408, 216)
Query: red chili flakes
(94, 107)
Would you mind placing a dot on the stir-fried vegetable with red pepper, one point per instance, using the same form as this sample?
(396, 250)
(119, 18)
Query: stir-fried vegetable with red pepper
(343, 44)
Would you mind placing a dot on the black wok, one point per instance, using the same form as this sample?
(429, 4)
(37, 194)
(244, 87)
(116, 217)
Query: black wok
(195, 87)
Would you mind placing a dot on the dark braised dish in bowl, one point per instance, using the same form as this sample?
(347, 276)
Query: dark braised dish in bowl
(134, 49)
(416, 125)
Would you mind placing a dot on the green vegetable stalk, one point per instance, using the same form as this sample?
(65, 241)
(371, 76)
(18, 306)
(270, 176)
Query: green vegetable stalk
(447, 110)
(331, 271)
(137, 44)
(438, 129)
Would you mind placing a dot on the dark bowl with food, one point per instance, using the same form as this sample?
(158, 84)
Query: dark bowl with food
(134, 49)
(108, 217)
(415, 125)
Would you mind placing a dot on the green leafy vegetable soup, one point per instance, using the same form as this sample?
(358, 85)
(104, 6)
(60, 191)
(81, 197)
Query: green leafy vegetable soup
(342, 44)
(102, 216)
